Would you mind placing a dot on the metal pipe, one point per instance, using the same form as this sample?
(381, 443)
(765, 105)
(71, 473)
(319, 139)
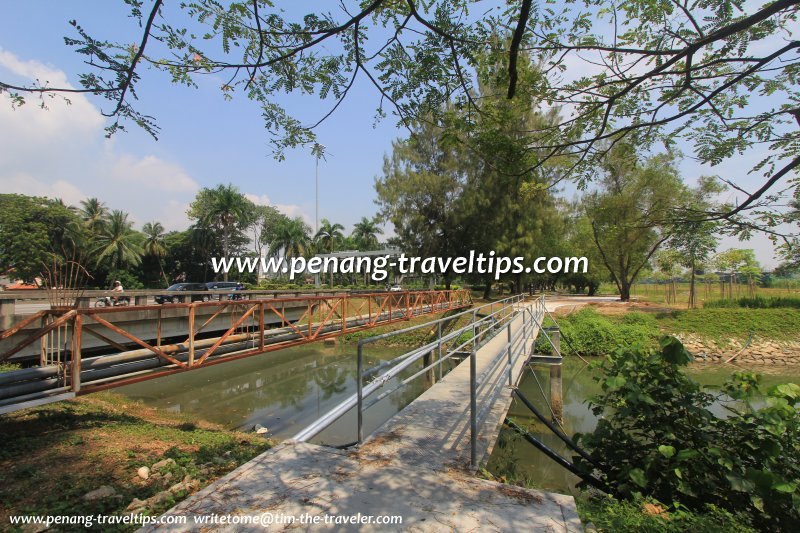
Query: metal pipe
(588, 478)
(560, 434)
(473, 410)
(360, 391)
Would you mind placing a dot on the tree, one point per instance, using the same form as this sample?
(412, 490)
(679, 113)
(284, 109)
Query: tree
(419, 193)
(32, 230)
(365, 233)
(264, 219)
(290, 237)
(695, 238)
(735, 261)
(326, 238)
(94, 213)
(719, 74)
(118, 245)
(154, 244)
(328, 235)
(224, 210)
(630, 213)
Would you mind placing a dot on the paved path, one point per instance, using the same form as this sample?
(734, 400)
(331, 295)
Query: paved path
(414, 466)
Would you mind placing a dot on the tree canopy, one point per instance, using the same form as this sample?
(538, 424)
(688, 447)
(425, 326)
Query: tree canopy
(721, 74)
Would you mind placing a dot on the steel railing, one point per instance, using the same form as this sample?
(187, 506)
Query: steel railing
(246, 325)
(485, 322)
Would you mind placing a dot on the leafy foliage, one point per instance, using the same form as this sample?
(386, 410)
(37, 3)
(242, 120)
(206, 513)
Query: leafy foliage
(657, 437)
(589, 333)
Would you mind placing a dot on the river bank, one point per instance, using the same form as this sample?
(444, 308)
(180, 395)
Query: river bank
(107, 454)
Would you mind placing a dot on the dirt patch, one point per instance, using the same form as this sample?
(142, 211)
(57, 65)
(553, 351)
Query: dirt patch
(383, 438)
(613, 308)
(520, 494)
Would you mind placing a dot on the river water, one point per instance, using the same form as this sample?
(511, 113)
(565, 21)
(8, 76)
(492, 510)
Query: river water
(514, 457)
(284, 391)
(287, 390)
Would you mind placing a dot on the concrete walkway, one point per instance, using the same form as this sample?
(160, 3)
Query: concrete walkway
(415, 466)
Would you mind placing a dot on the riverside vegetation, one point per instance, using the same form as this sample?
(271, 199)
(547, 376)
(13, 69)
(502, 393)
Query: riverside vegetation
(766, 324)
(657, 438)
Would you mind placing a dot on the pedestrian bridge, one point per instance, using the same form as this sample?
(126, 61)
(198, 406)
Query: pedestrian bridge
(421, 463)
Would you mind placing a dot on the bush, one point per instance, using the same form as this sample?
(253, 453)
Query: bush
(657, 437)
(589, 333)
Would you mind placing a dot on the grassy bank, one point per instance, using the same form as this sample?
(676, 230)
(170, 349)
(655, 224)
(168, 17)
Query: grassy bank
(591, 332)
(53, 457)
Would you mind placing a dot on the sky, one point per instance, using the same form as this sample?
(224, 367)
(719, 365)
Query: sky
(204, 140)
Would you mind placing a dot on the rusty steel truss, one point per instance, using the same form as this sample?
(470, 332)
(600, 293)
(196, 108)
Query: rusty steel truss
(254, 326)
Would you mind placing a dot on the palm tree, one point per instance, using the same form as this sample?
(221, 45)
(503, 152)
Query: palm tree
(118, 243)
(290, 237)
(94, 213)
(326, 238)
(226, 210)
(154, 244)
(366, 233)
(328, 235)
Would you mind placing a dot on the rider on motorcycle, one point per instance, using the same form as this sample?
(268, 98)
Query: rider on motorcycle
(116, 288)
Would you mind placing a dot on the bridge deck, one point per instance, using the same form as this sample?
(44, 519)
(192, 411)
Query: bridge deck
(414, 466)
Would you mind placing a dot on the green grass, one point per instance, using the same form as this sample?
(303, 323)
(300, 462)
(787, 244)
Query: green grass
(758, 302)
(608, 514)
(590, 333)
(652, 292)
(719, 324)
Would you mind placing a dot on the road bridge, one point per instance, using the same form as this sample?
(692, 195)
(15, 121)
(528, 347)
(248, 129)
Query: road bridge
(418, 465)
(139, 341)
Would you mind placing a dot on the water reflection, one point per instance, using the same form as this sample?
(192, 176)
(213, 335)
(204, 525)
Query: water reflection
(283, 391)
(514, 457)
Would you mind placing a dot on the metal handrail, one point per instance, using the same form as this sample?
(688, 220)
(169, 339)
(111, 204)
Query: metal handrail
(513, 349)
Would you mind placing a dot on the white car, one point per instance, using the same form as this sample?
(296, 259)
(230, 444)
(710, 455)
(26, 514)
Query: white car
(395, 288)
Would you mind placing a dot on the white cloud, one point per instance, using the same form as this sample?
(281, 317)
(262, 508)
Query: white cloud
(60, 151)
(290, 210)
(152, 173)
(28, 185)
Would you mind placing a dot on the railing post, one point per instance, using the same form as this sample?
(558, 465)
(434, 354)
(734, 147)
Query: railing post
(439, 337)
(261, 327)
(473, 410)
(510, 364)
(360, 386)
(474, 338)
(76, 353)
(191, 335)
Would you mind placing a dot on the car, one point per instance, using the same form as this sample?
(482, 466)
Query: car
(396, 288)
(183, 287)
(226, 285)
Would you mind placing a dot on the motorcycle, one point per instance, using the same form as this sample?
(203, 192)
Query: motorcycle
(108, 301)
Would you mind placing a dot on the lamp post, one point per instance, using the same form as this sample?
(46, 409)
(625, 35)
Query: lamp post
(319, 152)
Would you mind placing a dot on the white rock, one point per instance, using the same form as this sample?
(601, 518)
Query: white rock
(143, 472)
(164, 463)
(98, 494)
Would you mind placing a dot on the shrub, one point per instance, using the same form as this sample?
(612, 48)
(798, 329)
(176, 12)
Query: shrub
(657, 437)
(589, 333)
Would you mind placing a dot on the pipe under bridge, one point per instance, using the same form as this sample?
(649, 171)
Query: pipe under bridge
(139, 350)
